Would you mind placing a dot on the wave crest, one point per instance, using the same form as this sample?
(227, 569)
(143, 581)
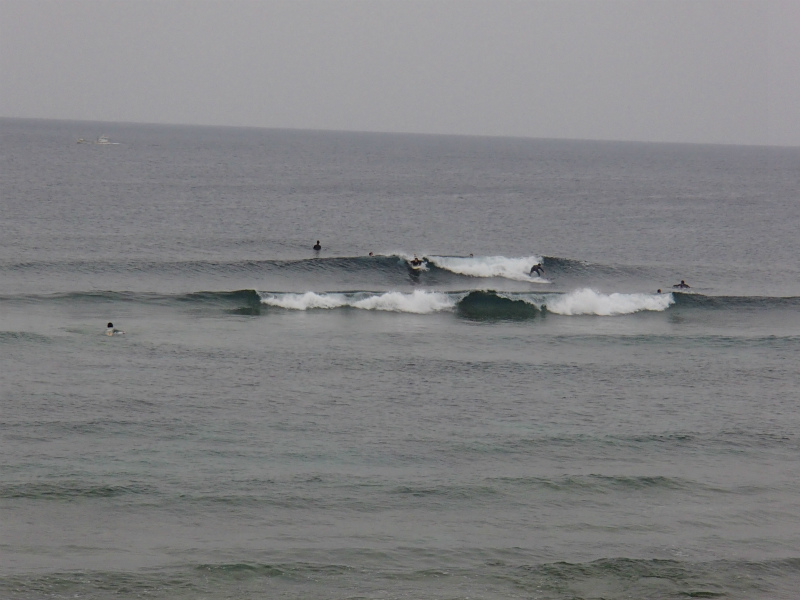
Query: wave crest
(490, 266)
(589, 302)
(417, 302)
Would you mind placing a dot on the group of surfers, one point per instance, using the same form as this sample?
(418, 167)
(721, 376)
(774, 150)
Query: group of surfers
(537, 268)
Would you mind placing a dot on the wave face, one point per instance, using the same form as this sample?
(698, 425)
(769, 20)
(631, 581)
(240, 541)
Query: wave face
(570, 287)
(382, 270)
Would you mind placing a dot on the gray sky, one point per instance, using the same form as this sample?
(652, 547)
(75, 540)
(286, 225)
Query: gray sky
(716, 71)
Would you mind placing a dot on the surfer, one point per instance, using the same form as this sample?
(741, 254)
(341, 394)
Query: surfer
(112, 331)
(317, 247)
(682, 285)
(415, 262)
(538, 269)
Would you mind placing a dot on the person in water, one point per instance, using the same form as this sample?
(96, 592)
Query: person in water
(415, 261)
(538, 269)
(681, 285)
(111, 331)
(317, 247)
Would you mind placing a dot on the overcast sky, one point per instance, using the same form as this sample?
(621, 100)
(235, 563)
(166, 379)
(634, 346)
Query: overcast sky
(716, 71)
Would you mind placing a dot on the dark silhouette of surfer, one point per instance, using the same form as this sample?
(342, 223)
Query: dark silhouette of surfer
(317, 247)
(538, 269)
(682, 285)
(415, 262)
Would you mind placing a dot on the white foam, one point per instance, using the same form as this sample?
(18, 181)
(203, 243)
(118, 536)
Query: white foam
(305, 301)
(418, 302)
(590, 302)
(517, 269)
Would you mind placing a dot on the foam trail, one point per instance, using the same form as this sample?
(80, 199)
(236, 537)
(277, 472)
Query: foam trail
(417, 302)
(590, 302)
(490, 266)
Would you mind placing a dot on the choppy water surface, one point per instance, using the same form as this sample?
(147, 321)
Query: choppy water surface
(277, 422)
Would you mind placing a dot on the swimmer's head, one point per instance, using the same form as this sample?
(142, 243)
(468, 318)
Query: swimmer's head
(110, 325)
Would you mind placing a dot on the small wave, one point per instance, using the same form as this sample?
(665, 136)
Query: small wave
(690, 299)
(501, 572)
(590, 302)
(600, 483)
(517, 269)
(449, 492)
(22, 336)
(62, 491)
(417, 302)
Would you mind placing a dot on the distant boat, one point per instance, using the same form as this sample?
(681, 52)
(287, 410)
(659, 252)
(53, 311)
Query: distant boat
(102, 140)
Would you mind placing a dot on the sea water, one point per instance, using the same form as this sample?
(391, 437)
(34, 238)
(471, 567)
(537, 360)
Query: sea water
(282, 423)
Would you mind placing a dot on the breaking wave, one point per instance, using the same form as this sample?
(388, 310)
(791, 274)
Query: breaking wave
(418, 302)
(473, 304)
(590, 302)
(517, 269)
(476, 304)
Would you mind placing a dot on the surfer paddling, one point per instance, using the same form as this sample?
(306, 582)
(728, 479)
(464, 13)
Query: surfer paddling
(111, 331)
(682, 285)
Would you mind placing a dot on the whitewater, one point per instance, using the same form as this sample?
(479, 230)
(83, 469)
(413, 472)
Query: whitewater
(579, 302)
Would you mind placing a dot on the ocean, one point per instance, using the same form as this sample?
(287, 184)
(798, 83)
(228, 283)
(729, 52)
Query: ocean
(279, 422)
